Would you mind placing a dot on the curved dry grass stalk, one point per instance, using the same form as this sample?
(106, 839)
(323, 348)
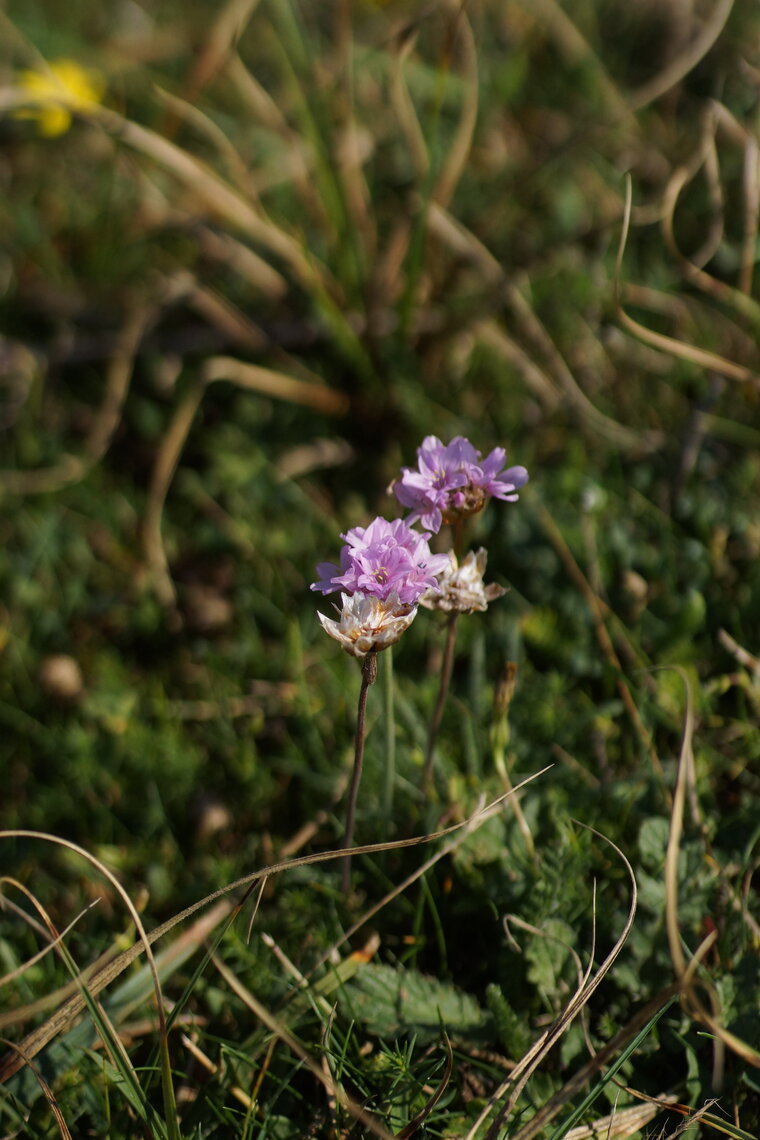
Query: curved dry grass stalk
(46, 1089)
(536, 379)
(219, 44)
(72, 469)
(296, 161)
(403, 105)
(457, 237)
(458, 153)
(56, 937)
(684, 970)
(163, 472)
(216, 195)
(548, 1111)
(699, 356)
(680, 67)
(691, 269)
(537, 932)
(519, 1077)
(265, 381)
(576, 49)
(620, 1123)
(197, 120)
(111, 970)
(144, 942)
(751, 214)
(704, 158)
(235, 255)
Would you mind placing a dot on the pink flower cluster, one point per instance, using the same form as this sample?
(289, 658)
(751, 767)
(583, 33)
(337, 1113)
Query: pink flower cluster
(386, 567)
(451, 481)
(383, 559)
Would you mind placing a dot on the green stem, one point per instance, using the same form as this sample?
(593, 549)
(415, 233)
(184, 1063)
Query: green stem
(390, 735)
(369, 676)
(443, 689)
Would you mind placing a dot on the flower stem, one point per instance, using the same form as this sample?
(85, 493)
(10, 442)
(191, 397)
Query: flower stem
(443, 689)
(369, 676)
(390, 735)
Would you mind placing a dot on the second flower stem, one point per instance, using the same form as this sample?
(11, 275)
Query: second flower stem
(443, 690)
(390, 736)
(369, 676)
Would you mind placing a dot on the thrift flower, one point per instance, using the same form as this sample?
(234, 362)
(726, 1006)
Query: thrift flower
(368, 624)
(462, 589)
(381, 560)
(451, 481)
(64, 86)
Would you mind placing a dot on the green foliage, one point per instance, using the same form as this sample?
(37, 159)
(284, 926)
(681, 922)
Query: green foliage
(390, 1003)
(423, 265)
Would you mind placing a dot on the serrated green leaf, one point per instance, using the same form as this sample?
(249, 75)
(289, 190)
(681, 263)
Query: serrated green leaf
(390, 1002)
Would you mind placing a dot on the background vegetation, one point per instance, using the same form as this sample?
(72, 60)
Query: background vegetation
(261, 252)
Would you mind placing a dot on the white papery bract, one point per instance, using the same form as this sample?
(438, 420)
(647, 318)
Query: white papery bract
(368, 624)
(461, 587)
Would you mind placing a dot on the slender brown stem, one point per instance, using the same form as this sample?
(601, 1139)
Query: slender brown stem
(443, 690)
(369, 676)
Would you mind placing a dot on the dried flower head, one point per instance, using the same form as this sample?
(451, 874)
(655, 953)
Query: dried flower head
(381, 560)
(462, 589)
(451, 481)
(367, 623)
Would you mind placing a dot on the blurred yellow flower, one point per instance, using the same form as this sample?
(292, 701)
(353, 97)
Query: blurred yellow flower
(64, 87)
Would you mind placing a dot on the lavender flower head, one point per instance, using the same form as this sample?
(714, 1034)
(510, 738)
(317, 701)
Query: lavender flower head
(383, 559)
(451, 481)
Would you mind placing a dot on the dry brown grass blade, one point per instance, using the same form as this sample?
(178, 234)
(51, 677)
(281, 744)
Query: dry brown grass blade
(704, 158)
(577, 50)
(678, 68)
(63, 1017)
(693, 1118)
(684, 970)
(463, 241)
(212, 1069)
(619, 1124)
(71, 469)
(218, 45)
(699, 356)
(751, 215)
(281, 1031)
(184, 111)
(55, 939)
(692, 271)
(536, 379)
(742, 655)
(235, 255)
(217, 196)
(519, 1077)
(253, 377)
(636, 442)
(594, 1067)
(458, 153)
(269, 382)
(162, 475)
(404, 111)
(294, 163)
(46, 1089)
(222, 313)
(131, 909)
